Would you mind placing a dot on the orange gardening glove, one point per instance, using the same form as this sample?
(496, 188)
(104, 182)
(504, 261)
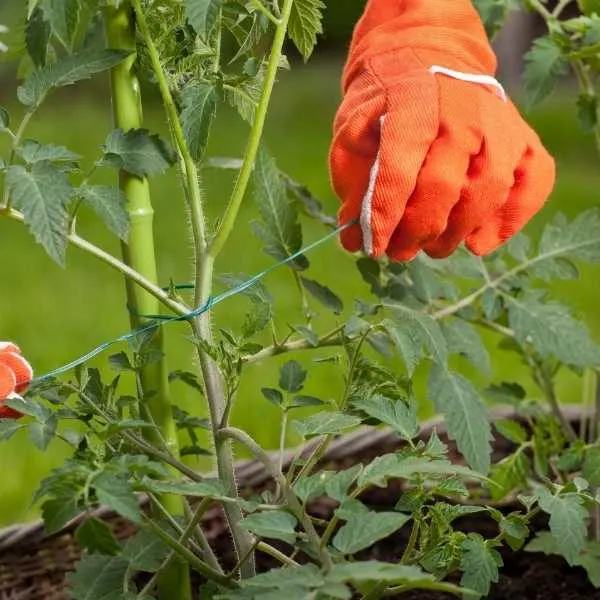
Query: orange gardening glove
(428, 151)
(15, 375)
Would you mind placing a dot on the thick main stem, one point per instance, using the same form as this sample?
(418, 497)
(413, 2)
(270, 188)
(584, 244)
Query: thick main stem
(139, 253)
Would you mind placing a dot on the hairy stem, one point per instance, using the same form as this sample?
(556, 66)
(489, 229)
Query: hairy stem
(139, 253)
(290, 498)
(239, 190)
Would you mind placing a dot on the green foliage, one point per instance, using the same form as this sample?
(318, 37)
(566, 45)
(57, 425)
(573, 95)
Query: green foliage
(425, 317)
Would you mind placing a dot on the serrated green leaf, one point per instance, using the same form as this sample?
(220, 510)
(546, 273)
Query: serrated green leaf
(339, 483)
(305, 24)
(479, 564)
(568, 522)
(373, 570)
(63, 16)
(325, 423)
(42, 433)
(463, 339)
(117, 494)
(324, 295)
(42, 194)
(552, 331)
(96, 536)
(66, 71)
(511, 430)
(199, 110)
(362, 532)
(8, 427)
(396, 466)
(308, 488)
(544, 65)
(98, 577)
(277, 525)
(57, 512)
(415, 333)
(145, 552)
(202, 15)
(108, 203)
(401, 417)
(303, 400)
(37, 36)
(272, 395)
(465, 415)
(591, 466)
(139, 152)
(32, 152)
(516, 531)
(577, 240)
(292, 376)
(279, 228)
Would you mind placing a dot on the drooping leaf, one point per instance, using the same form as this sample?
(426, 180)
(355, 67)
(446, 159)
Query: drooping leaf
(138, 152)
(98, 577)
(199, 110)
(292, 376)
(57, 512)
(362, 532)
(324, 295)
(66, 71)
(305, 24)
(479, 564)
(568, 522)
(465, 414)
(272, 524)
(96, 536)
(43, 432)
(116, 493)
(63, 16)
(463, 339)
(108, 203)
(544, 65)
(31, 152)
(396, 466)
(416, 334)
(398, 415)
(325, 423)
(42, 194)
(279, 228)
(373, 570)
(552, 331)
(202, 15)
(37, 36)
(145, 551)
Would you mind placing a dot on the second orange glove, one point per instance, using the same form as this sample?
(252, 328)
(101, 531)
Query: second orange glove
(428, 151)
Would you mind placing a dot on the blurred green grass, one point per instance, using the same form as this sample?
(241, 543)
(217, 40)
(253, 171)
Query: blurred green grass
(56, 315)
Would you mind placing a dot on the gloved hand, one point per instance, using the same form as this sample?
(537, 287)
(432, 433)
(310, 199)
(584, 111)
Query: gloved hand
(15, 375)
(428, 151)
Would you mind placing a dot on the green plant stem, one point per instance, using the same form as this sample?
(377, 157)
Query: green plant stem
(195, 518)
(333, 338)
(204, 270)
(321, 448)
(280, 556)
(195, 562)
(263, 10)
(139, 253)
(243, 178)
(290, 498)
